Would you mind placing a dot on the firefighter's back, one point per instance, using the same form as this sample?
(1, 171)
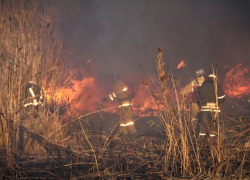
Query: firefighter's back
(119, 90)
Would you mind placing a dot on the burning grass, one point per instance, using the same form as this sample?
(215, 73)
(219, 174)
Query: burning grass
(237, 81)
(46, 143)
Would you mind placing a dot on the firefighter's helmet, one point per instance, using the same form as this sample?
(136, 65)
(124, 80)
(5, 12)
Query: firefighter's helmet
(32, 82)
(200, 72)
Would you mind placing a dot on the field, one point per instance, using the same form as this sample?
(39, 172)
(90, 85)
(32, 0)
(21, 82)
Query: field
(57, 141)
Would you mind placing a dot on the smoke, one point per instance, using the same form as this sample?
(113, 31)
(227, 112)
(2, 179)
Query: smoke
(123, 36)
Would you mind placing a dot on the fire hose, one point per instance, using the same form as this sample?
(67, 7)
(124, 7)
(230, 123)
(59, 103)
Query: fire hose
(84, 116)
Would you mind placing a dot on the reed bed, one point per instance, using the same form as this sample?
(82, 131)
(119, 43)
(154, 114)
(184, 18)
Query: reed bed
(30, 51)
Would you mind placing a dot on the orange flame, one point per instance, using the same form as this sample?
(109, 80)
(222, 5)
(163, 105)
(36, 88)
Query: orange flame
(145, 103)
(80, 95)
(237, 82)
(87, 94)
(181, 64)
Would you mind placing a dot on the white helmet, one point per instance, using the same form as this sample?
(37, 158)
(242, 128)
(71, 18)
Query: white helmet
(32, 82)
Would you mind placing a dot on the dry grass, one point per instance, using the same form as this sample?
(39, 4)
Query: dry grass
(31, 50)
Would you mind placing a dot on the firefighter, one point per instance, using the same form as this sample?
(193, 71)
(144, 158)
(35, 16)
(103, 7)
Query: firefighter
(33, 98)
(191, 91)
(210, 98)
(33, 95)
(123, 94)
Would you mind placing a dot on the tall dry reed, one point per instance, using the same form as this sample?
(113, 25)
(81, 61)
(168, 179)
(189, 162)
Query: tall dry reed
(30, 51)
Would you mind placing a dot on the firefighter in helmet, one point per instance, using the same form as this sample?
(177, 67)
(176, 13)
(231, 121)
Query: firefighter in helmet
(33, 98)
(210, 98)
(121, 92)
(190, 90)
(33, 95)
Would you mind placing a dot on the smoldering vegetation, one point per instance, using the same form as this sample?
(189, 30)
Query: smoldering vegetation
(48, 143)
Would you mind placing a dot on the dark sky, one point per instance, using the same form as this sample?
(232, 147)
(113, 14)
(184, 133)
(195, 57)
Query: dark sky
(119, 35)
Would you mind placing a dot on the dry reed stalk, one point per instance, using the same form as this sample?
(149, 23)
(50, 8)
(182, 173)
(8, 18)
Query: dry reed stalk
(216, 116)
(180, 141)
(93, 150)
(171, 117)
(28, 52)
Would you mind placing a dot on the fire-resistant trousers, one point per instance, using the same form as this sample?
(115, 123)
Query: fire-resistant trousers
(194, 111)
(206, 124)
(125, 118)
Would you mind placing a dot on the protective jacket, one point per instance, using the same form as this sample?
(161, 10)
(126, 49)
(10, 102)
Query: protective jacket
(121, 93)
(207, 94)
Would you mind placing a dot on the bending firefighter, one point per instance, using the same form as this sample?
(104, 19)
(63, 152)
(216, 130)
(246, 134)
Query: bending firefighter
(121, 92)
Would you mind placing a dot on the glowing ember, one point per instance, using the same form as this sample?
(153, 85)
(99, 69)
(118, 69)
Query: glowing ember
(181, 64)
(88, 61)
(237, 82)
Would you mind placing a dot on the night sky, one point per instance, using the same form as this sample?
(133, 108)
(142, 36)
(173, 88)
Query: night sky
(122, 36)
